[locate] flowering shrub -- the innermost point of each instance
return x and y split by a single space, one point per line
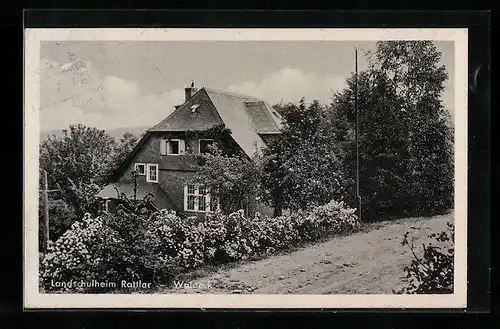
69 256
154 248
223 238
107 248
336 218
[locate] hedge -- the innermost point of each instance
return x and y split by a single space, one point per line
156 248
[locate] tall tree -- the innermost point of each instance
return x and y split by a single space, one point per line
302 167
415 71
82 154
78 163
382 148
405 139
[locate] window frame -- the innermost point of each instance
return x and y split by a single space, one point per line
140 164
197 195
148 175
106 204
203 139
194 108
178 146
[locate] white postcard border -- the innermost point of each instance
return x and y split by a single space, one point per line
34 299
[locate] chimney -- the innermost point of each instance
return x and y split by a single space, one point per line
190 91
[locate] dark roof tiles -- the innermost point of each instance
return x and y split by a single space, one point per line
245 116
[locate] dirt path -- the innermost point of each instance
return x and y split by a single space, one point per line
365 263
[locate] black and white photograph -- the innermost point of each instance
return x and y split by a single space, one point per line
245 168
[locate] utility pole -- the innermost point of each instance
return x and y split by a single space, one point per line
46 210
357 129
46 224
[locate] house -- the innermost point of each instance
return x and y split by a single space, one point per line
161 158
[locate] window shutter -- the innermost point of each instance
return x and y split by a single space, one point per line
163 147
182 147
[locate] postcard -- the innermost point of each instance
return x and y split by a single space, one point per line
245 168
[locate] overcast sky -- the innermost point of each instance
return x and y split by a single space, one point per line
130 84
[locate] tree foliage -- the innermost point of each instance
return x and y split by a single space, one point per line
405 141
122 149
233 179
414 70
78 164
302 168
382 154
82 154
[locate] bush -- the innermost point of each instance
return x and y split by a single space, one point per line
109 248
62 216
433 273
70 256
154 248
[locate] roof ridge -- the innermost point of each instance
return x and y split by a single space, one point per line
179 108
230 93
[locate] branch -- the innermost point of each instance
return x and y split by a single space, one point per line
415 256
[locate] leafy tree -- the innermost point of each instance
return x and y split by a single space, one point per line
302 168
233 179
78 163
405 141
82 197
81 155
415 72
122 149
382 148
280 108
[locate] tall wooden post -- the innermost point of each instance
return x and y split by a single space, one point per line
357 131
46 231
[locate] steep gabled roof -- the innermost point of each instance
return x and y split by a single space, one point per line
182 118
246 117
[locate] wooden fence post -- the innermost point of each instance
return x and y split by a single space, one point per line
46 211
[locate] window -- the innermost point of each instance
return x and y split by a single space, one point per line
204 143
202 198
194 108
172 147
197 199
140 168
152 173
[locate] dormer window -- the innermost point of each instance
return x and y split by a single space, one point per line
172 147
194 108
